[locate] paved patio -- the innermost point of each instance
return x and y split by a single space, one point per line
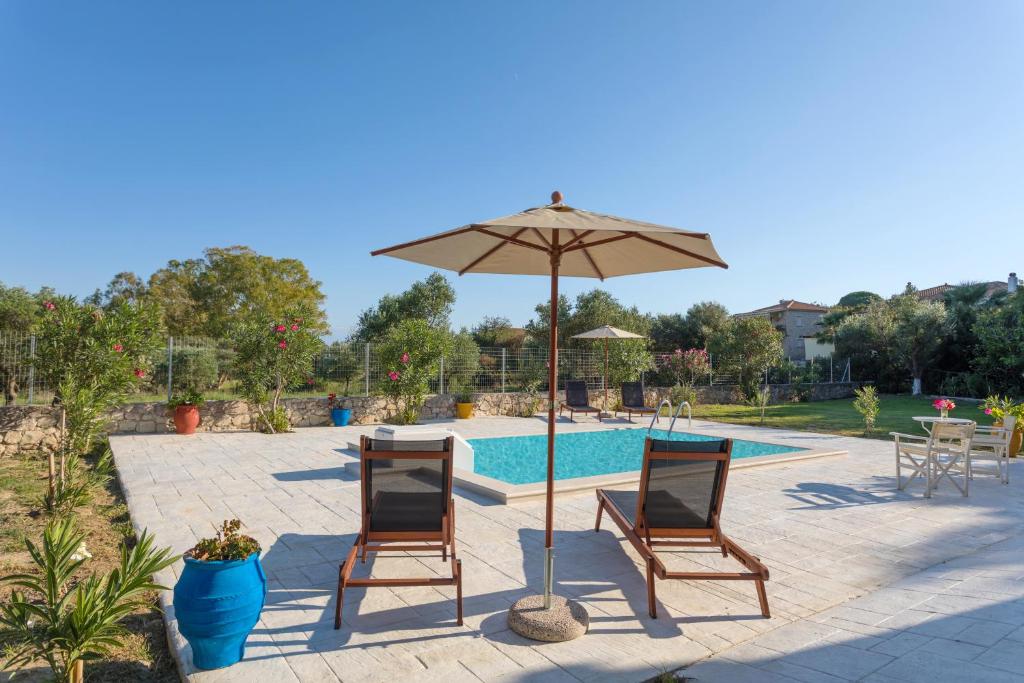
867 583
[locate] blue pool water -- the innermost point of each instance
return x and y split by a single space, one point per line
523 459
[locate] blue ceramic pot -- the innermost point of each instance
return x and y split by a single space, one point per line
217 604
341 416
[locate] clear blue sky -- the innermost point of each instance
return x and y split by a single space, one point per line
827 147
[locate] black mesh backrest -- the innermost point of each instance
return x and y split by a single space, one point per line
683 493
576 393
632 394
406 494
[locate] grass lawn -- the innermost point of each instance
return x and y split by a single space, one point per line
838 416
144 655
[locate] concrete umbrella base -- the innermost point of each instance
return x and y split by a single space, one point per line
565 620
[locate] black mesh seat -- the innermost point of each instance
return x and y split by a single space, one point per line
633 396
393 511
577 399
633 400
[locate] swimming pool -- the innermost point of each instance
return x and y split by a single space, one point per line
523 459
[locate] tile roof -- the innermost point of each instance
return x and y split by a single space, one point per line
788 305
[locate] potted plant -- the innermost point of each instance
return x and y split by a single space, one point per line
218 599
1002 409
463 405
943 405
339 416
186 411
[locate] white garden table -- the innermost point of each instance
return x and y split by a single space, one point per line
928 420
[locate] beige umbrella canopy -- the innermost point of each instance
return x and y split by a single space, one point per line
606 332
558 240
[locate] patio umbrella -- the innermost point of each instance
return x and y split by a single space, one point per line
554 240
607 332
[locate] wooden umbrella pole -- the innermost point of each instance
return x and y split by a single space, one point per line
606 374
549 513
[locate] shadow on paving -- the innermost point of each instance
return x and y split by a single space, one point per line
959 621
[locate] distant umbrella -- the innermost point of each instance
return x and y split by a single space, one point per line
607 332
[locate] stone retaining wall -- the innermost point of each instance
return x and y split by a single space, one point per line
33 428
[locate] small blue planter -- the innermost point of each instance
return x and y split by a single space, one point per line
217 604
341 416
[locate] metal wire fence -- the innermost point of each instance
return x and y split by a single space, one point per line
357 369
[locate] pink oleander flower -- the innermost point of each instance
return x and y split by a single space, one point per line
282 344
393 376
295 327
988 411
405 358
140 373
118 348
49 305
280 328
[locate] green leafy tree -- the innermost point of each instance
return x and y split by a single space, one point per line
750 346
272 353
670 331
20 309
462 363
205 296
125 287
920 330
1000 347
410 355
627 360
858 300
868 340
66 620
497 331
430 299
538 330
707 324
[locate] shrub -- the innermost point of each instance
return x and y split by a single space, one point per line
271 354
683 392
410 356
188 398
866 403
687 367
66 621
95 358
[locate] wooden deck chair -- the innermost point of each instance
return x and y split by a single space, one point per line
406 505
577 400
944 453
679 504
633 401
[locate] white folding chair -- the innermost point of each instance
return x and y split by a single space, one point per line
992 444
944 453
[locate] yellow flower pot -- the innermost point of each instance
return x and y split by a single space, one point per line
463 411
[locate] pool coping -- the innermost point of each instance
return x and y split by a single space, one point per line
503 492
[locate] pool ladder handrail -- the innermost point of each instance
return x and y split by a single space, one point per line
657 413
689 416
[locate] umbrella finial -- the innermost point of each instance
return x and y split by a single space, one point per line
556 197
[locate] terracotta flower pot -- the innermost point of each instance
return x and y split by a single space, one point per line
186 419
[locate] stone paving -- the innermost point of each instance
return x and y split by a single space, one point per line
867 583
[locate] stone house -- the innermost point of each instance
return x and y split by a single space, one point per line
799 322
